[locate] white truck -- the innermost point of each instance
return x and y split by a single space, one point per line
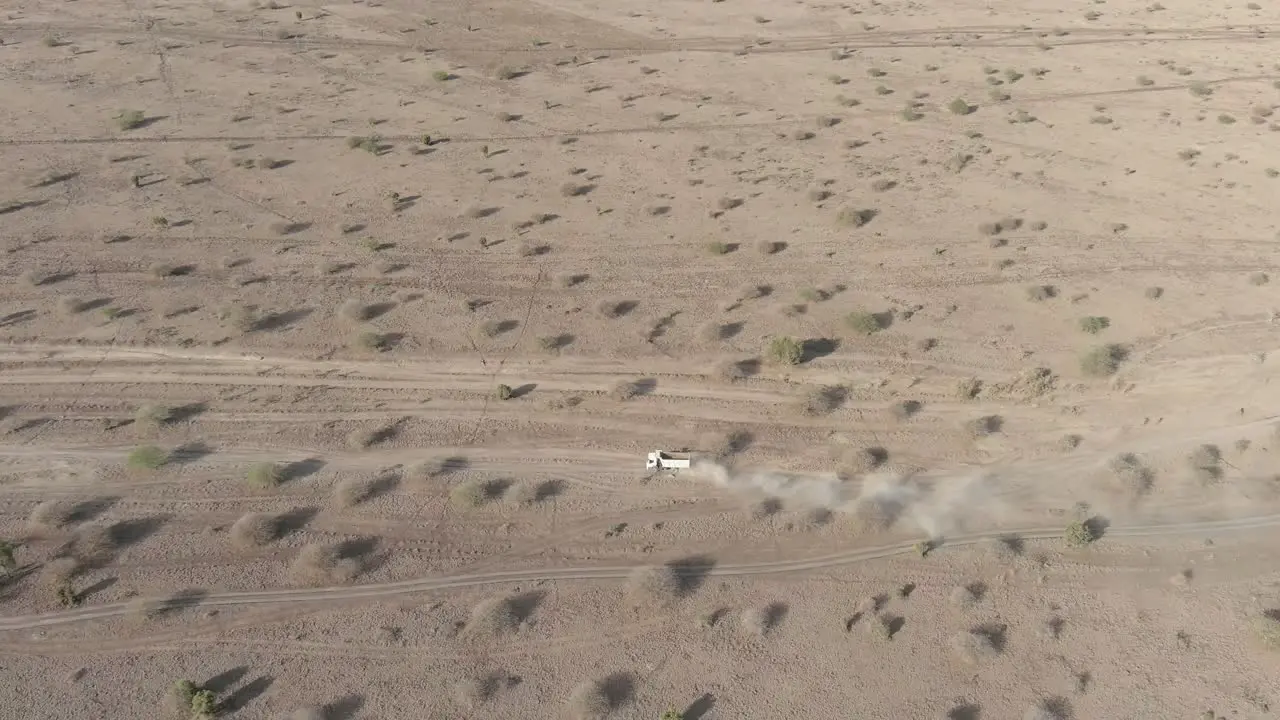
673 461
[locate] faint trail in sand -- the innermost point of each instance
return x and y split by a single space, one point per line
404 587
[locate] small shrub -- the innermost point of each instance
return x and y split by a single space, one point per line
130 119
1259 278
853 217
717 248
786 351
441 76
506 73
147 457
1200 89
1102 361
203 705
1094 324
1131 475
265 475
590 700
1079 533
1153 293
372 341
1267 628
863 322
151 416
968 388
470 494
883 184
353 310
975 646
822 400
253 529
910 113
504 392
1041 292
960 107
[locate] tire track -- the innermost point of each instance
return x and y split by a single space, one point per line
420 585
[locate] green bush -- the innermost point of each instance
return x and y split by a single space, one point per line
147 457
1102 361
1094 324
786 351
504 392
1079 533
863 322
265 475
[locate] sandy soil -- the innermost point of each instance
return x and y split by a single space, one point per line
334 337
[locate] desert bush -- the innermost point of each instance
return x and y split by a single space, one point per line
983 426
856 461
1102 361
968 388
1267 628
372 341
1131 475
717 247
504 392
756 621
203 705
1205 463
963 597
863 322
178 699
654 586
1041 292
854 217
370 143
320 564
48 515
265 475
130 119
1259 278
491 618
1079 533
1094 324
353 310
147 457
960 107
786 351
1044 710
471 493
590 700
974 646
364 438
613 309
240 317
671 714
822 400
151 416
624 390
60 571
253 529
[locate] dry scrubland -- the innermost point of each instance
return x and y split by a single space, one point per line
333 338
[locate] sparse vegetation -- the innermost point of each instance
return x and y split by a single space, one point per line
1079 533
264 475
786 351
503 392
1103 360
1267 629
960 106
253 529
863 322
471 494
1094 324
853 217
590 700
320 564
147 457
975 646
130 119
151 416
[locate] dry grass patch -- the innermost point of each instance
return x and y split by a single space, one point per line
492 618
320 564
1131 475
854 217
253 529
654 586
822 400
147 457
863 322
592 700
977 645
48 516
1267 629
785 351
265 475
475 492
1103 360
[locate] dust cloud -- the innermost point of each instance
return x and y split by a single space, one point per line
933 505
